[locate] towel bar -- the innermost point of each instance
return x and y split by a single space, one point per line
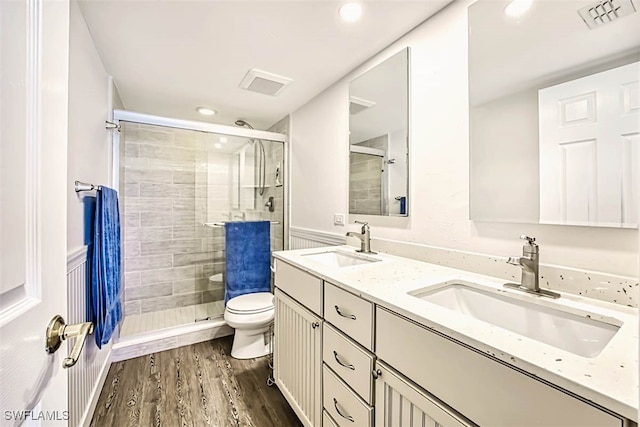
84 186
222 223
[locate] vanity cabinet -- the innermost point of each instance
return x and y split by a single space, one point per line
341 360
298 357
400 403
480 388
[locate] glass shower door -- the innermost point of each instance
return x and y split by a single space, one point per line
178 188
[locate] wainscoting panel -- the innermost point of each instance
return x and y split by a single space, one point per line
87 377
302 238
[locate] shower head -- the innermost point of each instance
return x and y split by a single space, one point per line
243 123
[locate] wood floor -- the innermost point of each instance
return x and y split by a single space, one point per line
197 385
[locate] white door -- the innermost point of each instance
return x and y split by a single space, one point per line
34 41
590 149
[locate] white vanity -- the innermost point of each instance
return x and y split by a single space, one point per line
379 340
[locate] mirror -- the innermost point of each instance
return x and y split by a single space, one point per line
378 139
554 114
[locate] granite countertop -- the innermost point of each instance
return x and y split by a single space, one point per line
610 379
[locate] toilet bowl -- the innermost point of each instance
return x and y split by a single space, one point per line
251 315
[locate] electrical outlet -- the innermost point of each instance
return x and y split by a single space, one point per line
338 219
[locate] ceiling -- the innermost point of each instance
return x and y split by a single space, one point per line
169 57
551 40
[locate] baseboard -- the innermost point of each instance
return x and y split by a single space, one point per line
85 421
167 339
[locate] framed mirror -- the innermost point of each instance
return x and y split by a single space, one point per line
555 113
378 139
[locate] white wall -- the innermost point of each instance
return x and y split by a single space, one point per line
439 168
89 149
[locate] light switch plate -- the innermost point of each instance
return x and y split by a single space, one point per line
338 219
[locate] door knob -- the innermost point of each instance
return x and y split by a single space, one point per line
58 331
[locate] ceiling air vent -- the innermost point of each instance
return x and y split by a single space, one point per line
357 105
604 11
264 82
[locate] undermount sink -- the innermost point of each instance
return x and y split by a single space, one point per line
340 259
577 333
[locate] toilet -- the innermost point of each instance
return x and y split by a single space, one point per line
251 315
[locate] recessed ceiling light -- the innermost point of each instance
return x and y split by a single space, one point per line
217 145
517 8
205 111
223 139
351 12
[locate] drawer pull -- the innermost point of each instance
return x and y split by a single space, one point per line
315 325
376 373
341 363
348 316
346 417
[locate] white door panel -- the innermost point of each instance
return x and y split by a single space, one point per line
588 149
33 152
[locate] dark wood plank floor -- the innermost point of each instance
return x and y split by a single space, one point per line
198 385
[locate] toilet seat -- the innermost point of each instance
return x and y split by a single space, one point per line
255 303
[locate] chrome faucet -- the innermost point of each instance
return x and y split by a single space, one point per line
529 262
364 236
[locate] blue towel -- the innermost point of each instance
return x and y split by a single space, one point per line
248 253
105 266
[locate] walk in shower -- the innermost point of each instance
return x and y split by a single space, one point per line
179 184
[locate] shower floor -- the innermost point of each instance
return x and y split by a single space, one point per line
149 322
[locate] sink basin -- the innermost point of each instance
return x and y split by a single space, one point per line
577 333
340 259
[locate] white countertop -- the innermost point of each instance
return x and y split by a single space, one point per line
609 379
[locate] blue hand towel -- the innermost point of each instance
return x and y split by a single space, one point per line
105 266
248 258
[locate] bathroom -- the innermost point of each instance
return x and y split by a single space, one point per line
89 45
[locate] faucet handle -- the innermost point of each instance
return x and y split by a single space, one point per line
365 225
529 248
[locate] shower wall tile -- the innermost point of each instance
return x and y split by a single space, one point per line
168 274
171 247
132 279
148 262
184 232
180 156
148 291
153 234
170 191
131 220
131 150
135 175
184 177
193 258
131 308
210 296
164 303
132 249
132 190
155 219
145 204
191 285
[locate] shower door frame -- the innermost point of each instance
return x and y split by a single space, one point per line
147 119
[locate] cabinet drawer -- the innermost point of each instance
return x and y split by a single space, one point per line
494 395
344 406
301 286
327 421
349 313
352 364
